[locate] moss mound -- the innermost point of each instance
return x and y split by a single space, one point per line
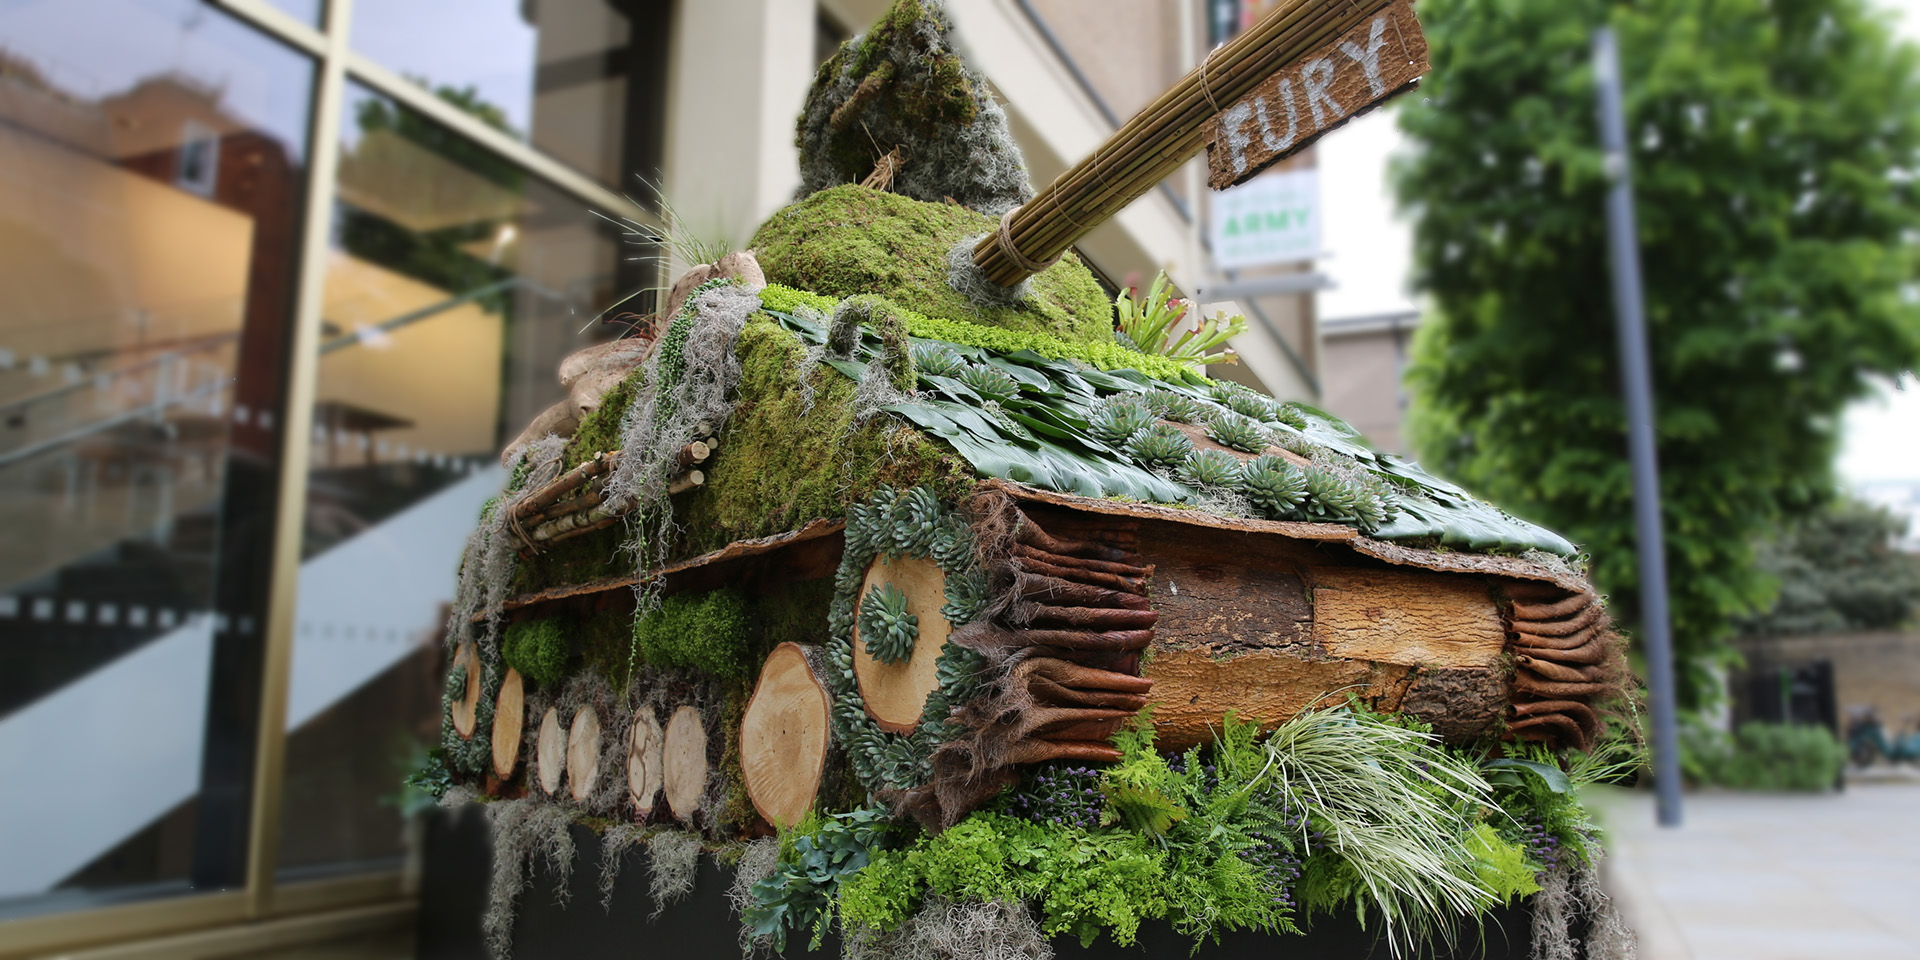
850 240
785 461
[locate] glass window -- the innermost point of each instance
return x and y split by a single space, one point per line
456 286
306 11
583 81
151 156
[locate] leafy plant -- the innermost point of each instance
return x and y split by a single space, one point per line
1158 325
886 627
1237 431
1394 809
1775 278
1763 756
1215 469
814 861
1839 570
1161 445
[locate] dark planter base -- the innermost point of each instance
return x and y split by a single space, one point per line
702 927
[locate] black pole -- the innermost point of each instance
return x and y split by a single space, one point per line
1636 382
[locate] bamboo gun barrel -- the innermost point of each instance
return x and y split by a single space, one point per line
1159 138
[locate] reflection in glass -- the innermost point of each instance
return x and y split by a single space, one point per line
584 81
456 286
150 165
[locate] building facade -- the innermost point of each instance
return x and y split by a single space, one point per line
282 278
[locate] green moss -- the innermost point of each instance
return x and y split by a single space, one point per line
1103 355
796 613
709 632
594 556
599 431
607 645
538 649
783 462
850 240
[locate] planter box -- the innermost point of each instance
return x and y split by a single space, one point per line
702 927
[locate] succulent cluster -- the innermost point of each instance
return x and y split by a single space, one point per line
1178 407
1118 418
1161 445
989 383
1212 469
1276 487
1238 431
887 629
935 360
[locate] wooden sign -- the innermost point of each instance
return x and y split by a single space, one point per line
1382 57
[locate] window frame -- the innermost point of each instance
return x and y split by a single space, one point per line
264 896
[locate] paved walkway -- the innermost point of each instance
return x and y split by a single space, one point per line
1771 876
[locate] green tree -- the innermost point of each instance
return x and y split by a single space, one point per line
1774 144
1839 571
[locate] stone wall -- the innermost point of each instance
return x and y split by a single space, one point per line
1880 669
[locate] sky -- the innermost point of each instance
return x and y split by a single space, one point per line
1367 253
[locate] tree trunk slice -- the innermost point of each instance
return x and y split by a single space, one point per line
551 752
643 761
683 763
1408 617
896 693
465 711
509 718
583 754
783 737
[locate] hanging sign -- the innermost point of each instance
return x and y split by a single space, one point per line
1344 78
1270 219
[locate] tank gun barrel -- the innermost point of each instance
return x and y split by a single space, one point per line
1161 137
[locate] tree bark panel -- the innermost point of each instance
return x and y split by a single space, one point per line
550 752
1192 690
583 754
465 711
509 720
683 765
783 737
1406 617
896 693
644 759
1228 603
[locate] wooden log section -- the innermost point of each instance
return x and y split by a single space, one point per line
550 752
583 754
1161 137
1408 617
896 693
644 774
783 737
509 720
683 763
465 711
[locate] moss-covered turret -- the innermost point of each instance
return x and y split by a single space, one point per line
851 240
901 94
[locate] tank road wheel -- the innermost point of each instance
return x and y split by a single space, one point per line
783 737
465 711
643 761
509 718
896 692
583 754
550 752
683 764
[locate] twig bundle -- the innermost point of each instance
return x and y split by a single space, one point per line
575 504
1159 138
